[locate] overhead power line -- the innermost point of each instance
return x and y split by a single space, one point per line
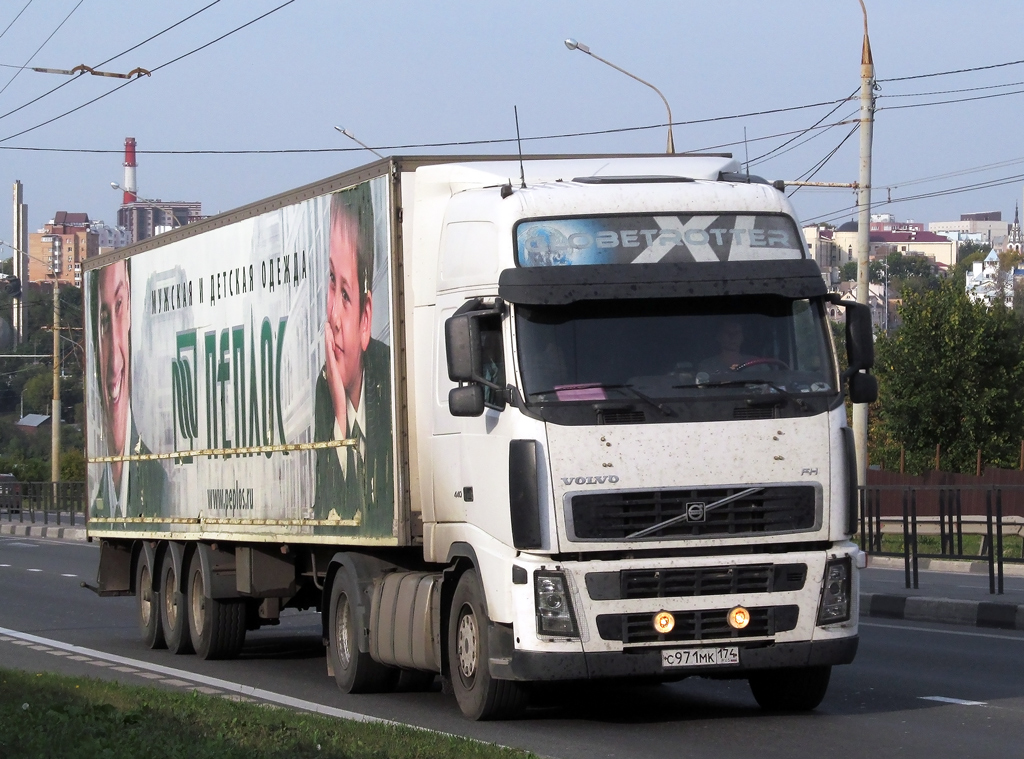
954 71
154 70
16 73
7 28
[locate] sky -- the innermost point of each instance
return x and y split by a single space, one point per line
400 73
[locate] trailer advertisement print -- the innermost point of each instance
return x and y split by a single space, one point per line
263 393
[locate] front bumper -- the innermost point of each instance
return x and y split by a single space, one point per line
548 666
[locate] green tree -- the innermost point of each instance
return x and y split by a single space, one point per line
950 376
72 465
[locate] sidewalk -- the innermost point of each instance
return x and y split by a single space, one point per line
949 592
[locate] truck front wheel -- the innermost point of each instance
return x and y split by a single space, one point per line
790 690
479 695
149 605
217 627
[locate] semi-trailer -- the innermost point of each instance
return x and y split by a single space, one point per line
586 424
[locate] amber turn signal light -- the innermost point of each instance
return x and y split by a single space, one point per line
664 622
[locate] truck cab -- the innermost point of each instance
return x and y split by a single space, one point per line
638 432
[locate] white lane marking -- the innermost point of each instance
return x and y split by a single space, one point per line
173 681
125 669
23 643
5 565
40 648
947 700
66 575
78 658
216 682
943 632
33 570
149 675
57 653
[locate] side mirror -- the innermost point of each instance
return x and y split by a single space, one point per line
863 388
467 400
461 341
860 339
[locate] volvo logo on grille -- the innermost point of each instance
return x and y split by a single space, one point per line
696 511
600 480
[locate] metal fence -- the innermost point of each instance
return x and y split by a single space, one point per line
992 512
58 503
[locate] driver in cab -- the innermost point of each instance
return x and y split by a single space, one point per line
730 356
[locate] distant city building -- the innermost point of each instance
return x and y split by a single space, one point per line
143 219
940 249
110 238
985 227
59 248
886 222
1013 238
985 283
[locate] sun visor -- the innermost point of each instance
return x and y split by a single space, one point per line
555 285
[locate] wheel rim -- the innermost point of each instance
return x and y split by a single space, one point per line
342 627
198 602
145 597
467 642
170 600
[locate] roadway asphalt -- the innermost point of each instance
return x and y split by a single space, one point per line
882 705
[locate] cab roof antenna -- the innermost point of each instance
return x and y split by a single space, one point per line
519 142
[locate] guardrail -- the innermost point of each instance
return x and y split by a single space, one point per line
992 512
59 503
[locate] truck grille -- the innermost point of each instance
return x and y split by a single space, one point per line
710 624
695 581
617 515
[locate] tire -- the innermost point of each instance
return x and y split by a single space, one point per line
173 610
355 671
480 696
148 605
790 690
217 627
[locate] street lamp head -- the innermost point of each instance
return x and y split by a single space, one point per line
115 186
343 130
574 45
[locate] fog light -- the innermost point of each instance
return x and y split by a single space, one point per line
739 618
835 592
664 622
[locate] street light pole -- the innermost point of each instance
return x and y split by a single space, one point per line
574 45
867 115
55 420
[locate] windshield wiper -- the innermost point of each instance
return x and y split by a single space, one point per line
786 395
666 410
685 517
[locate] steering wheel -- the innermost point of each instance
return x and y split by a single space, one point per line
763 361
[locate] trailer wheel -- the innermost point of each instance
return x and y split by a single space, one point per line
148 598
355 671
790 690
173 612
217 627
479 695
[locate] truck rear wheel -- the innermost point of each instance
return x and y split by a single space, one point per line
149 605
480 696
217 627
355 671
173 612
790 690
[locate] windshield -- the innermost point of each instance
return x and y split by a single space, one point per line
677 349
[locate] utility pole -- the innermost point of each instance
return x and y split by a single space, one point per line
20 261
55 420
867 117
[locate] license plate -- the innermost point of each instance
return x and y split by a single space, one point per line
700 657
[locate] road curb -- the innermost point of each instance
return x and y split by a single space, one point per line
945 565
952 611
43 531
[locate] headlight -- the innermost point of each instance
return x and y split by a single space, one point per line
835 593
554 608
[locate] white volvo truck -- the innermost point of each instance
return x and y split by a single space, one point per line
585 423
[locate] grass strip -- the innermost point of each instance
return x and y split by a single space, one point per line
51 715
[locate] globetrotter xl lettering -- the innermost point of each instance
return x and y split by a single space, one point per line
243 406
